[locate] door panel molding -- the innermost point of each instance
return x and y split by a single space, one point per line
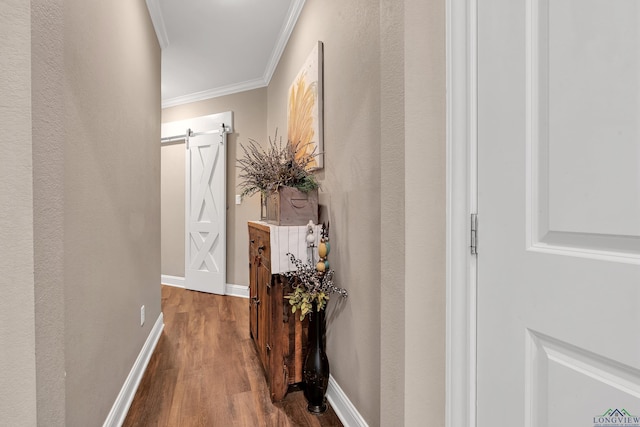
549 360
566 223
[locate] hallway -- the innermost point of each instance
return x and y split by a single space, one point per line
205 371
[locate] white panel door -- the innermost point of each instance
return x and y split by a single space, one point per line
558 338
205 249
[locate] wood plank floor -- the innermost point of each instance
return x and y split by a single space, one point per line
205 371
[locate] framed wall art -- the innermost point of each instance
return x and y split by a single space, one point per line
304 111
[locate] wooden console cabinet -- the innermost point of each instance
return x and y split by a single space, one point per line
280 337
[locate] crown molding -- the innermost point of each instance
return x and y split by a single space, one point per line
155 12
214 93
283 38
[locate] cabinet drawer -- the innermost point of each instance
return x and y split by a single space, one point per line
259 245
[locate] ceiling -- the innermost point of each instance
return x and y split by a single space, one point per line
217 47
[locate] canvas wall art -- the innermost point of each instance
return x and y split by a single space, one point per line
304 110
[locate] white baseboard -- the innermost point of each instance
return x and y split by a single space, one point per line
176 281
343 407
241 291
125 397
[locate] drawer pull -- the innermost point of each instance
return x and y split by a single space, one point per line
260 249
268 347
255 300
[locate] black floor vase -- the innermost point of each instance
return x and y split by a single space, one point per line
316 364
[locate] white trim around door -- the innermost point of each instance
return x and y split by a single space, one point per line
461 203
205 198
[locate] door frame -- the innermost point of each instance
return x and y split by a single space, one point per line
176 131
461 268
462 191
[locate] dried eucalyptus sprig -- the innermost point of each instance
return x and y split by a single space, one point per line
310 286
278 165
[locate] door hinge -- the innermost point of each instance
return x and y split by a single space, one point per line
474 234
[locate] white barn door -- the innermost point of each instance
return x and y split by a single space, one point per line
205 246
558 342
205 200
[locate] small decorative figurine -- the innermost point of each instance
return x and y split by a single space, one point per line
323 250
311 240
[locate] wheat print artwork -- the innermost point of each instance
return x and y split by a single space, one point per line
305 110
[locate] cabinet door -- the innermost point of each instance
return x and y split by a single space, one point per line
253 295
264 315
253 283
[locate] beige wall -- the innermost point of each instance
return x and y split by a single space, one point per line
172 195
351 179
81 213
384 189
425 211
392 252
17 317
111 198
47 95
250 118
80 205
384 186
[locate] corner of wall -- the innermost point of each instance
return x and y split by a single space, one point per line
18 390
48 195
392 256
425 210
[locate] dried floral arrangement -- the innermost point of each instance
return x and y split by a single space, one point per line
279 165
311 286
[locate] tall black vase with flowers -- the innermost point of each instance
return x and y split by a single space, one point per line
316 364
313 283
